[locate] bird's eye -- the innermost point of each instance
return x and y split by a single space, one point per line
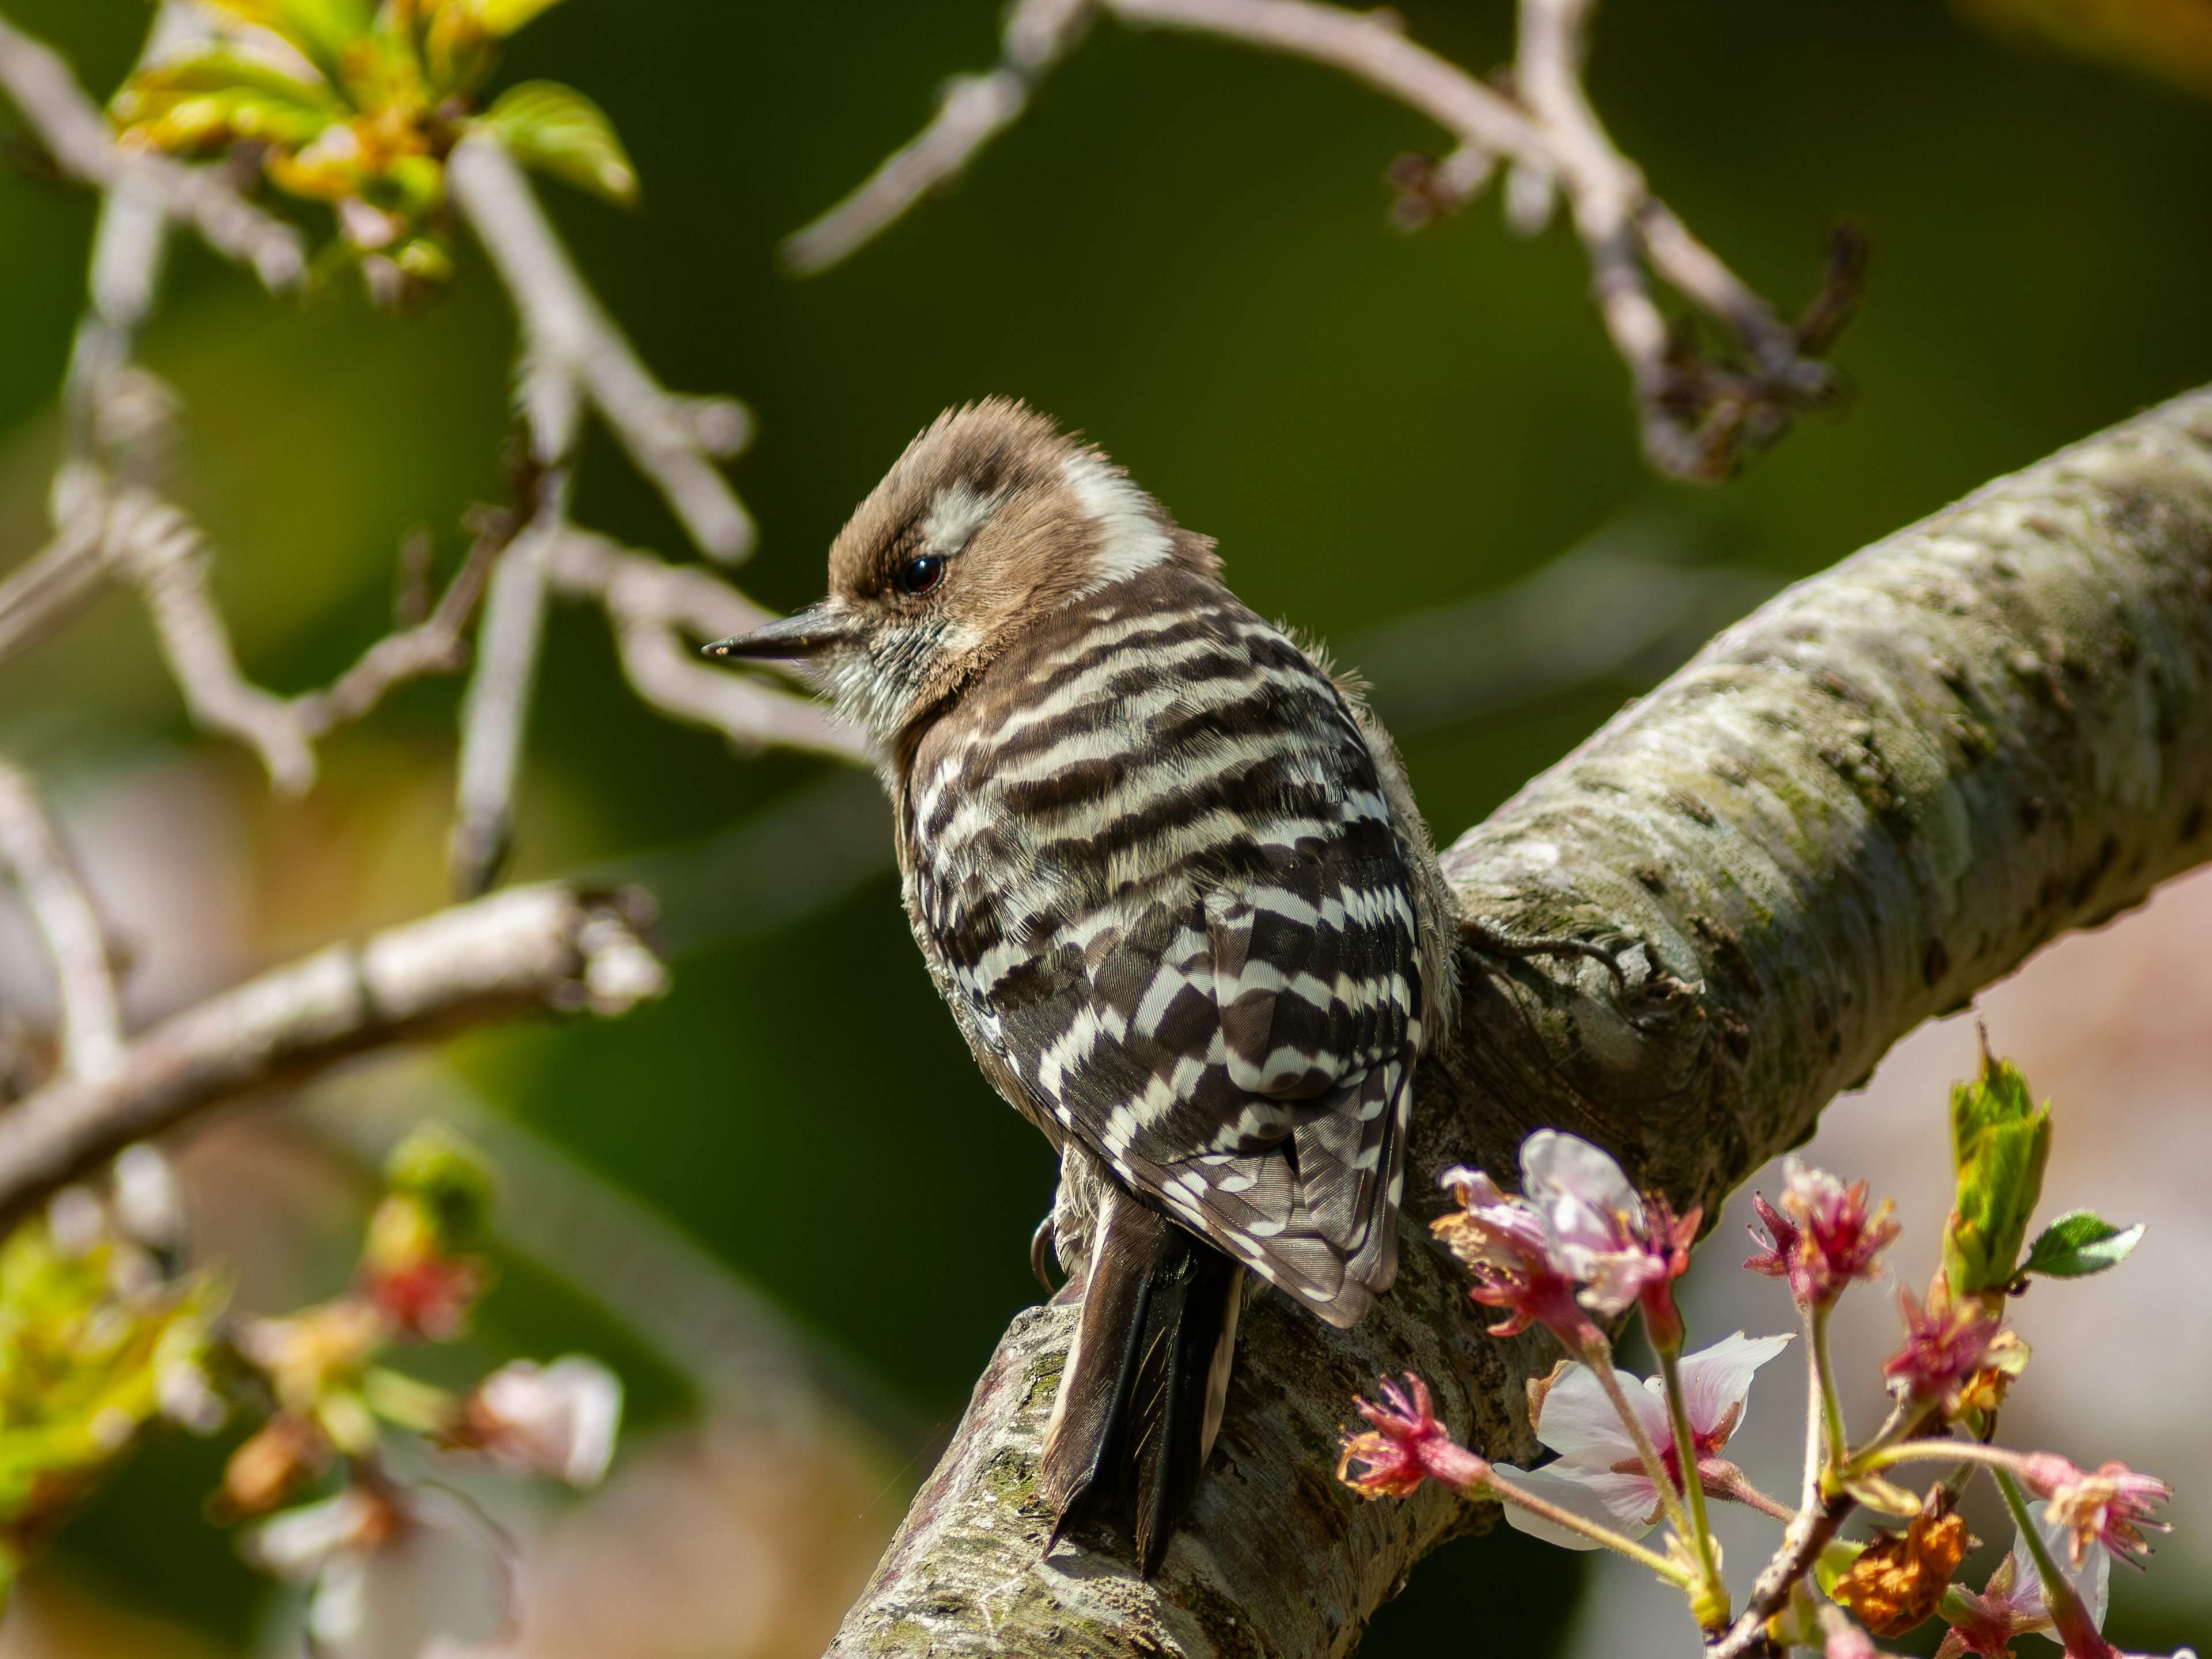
917 576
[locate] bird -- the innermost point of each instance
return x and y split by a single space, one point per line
1167 872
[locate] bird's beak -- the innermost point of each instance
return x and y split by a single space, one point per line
807 633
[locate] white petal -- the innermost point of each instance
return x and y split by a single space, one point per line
2092 1580
1717 1380
1624 1502
1552 1163
1578 1421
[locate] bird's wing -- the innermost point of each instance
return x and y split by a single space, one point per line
1243 1053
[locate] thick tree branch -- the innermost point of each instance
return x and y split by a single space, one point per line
1698 415
529 950
1881 791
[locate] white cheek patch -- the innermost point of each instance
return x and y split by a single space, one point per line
1130 537
959 511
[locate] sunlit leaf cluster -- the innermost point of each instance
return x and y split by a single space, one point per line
360 106
95 1341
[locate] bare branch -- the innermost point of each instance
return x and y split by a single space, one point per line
71 126
495 716
50 587
164 554
32 849
653 605
976 108
532 949
1697 416
1828 827
570 343
433 645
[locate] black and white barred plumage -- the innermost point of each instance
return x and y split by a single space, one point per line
1169 878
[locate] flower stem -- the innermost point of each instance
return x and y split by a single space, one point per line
1831 1405
1735 1489
1590 1529
1937 1451
1597 1354
2076 1628
1685 1454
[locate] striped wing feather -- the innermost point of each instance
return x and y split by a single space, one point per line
1229 1015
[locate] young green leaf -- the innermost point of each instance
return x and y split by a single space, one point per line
2001 1141
323 29
2079 1244
558 129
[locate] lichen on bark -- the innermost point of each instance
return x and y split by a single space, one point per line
1851 810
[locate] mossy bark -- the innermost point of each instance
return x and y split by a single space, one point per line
1879 793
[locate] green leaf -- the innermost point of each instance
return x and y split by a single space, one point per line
558 129
2079 1244
2000 1142
505 16
217 97
321 28
1836 1559
449 1177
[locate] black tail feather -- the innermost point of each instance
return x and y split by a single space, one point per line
1141 1400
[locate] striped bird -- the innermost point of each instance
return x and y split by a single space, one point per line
1167 875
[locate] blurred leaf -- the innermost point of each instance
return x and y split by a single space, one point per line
505 16
324 30
2079 1244
449 1178
212 98
558 129
2169 39
2000 1141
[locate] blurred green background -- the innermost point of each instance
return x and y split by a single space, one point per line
1183 249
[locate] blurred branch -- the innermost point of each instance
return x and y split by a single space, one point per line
165 555
77 135
570 345
33 853
533 949
651 604
1698 415
433 645
1878 793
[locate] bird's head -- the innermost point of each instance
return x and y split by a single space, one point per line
992 519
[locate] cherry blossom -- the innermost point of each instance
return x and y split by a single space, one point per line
556 1420
1828 1237
2012 1603
1579 1241
2109 1506
1406 1446
1946 1343
1598 1474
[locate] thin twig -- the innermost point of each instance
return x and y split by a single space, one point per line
569 342
530 949
495 713
975 109
48 589
32 850
1696 416
437 645
652 605
164 554
70 126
